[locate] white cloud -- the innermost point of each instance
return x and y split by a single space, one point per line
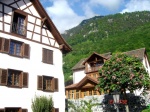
63 16
110 4
137 5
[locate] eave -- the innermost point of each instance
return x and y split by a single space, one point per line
64 46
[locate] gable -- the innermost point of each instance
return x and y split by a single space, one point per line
87 81
88 84
94 58
38 25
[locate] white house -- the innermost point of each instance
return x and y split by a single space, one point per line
31 50
79 69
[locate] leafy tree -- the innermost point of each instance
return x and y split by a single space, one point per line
42 104
123 72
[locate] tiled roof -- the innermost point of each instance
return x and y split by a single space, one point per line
71 86
82 82
137 53
79 65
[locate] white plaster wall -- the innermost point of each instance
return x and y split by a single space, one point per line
78 75
14 97
145 62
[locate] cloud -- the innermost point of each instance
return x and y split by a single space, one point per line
137 5
110 4
63 16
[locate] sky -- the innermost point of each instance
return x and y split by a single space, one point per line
67 14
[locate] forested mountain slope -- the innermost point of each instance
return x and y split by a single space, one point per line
102 34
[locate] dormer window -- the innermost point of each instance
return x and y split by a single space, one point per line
19 23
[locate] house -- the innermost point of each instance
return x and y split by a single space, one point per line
85 73
31 50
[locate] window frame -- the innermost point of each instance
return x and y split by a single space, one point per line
21 13
41 85
4 78
5 47
47 56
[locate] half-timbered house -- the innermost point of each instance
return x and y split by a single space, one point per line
31 50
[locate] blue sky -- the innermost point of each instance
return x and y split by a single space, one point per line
67 14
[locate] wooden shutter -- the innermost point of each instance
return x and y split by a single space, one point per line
6 45
26 50
21 79
24 110
56 84
56 109
53 84
44 57
25 79
1 43
50 56
3 76
1 110
40 83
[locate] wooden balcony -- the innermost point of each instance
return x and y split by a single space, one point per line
18 29
92 69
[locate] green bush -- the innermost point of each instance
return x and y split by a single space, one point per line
42 104
146 110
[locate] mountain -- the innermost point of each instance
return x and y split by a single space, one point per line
102 34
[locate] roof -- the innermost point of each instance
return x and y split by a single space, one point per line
93 55
82 82
79 65
137 53
51 26
107 55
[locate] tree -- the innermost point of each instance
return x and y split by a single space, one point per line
121 73
42 104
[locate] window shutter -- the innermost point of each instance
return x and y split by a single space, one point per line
1 110
50 56
53 84
24 110
21 79
40 83
26 50
3 76
25 79
1 43
56 84
44 55
6 45
56 109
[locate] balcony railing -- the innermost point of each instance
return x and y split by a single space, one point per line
18 29
92 69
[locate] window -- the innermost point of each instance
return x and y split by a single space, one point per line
47 83
15 48
13 109
85 93
56 109
72 94
47 56
77 94
90 92
94 75
95 92
13 78
19 23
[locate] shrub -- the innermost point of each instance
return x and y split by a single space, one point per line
42 104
